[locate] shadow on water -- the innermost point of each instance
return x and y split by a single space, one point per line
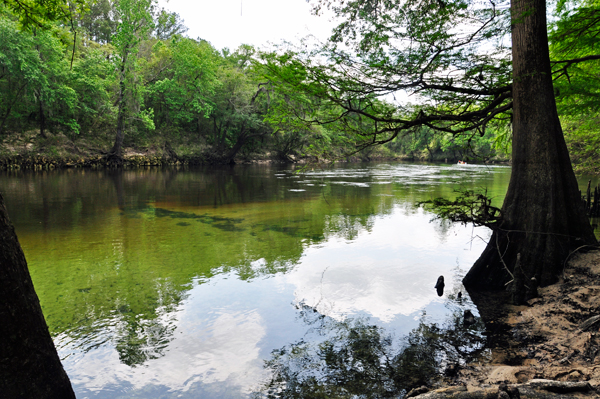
222 223
355 358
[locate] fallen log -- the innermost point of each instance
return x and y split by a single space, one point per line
534 389
560 386
589 323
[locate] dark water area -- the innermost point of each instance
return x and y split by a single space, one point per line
252 281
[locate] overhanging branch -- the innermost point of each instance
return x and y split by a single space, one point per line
565 64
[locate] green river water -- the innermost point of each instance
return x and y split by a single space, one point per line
245 281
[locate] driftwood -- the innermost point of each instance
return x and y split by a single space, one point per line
589 323
560 386
459 392
534 389
417 391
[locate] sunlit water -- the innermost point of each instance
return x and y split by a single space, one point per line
204 283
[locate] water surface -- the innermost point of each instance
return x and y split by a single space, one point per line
221 282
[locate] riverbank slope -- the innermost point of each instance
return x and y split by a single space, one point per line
553 337
30 150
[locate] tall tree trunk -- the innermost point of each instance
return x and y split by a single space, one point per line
222 139
42 116
29 364
543 215
241 140
116 153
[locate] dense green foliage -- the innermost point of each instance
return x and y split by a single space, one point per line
89 70
575 47
382 50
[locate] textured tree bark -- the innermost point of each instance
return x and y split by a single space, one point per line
543 215
29 364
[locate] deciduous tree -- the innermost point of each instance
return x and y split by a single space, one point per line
182 81
34 78
241 101
543 217
135 24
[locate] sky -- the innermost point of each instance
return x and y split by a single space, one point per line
229 23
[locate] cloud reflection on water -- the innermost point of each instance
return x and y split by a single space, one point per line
210 346
386 272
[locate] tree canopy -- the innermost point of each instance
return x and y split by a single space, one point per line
574 49
459 78
428 79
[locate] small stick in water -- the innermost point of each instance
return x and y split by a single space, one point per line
439 286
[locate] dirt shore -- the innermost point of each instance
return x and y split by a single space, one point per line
548 338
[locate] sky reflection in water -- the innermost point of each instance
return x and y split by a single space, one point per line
182 284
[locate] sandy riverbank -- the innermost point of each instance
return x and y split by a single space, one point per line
545 339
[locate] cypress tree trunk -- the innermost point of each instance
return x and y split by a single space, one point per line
29 364
543 215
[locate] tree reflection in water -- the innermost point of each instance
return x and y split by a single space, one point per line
356 359
138 341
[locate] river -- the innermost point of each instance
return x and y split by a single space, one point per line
238 282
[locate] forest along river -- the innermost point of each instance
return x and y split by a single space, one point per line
236 282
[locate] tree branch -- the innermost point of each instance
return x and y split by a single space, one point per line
563 71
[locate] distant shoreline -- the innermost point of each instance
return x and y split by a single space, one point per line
31 152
